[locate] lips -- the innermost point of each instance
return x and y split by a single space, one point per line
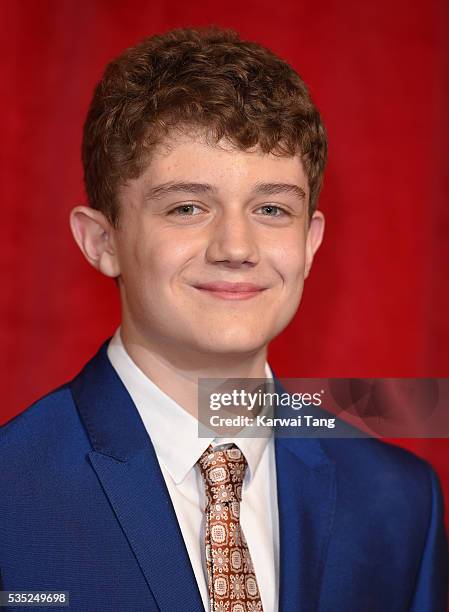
230 291
230 287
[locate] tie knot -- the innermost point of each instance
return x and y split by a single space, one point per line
223 471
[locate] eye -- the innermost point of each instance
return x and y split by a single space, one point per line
270 210
185 210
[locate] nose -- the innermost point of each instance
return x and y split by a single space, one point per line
232 241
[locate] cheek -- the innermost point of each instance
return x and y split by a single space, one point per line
159 258
138 263
289 261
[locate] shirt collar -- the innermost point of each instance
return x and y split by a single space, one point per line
173 431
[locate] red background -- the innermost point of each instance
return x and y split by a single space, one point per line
377 301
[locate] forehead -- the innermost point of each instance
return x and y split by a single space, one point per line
192 154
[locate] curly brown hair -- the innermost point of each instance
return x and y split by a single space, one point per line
207 78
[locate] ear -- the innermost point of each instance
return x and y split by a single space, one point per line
313 240
95 237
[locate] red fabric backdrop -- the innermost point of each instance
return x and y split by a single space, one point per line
377 302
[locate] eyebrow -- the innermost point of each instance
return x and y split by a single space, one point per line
160 191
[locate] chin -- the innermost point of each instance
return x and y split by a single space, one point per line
235 342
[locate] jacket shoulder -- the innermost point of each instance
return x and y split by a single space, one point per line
41 429
381 475
370 455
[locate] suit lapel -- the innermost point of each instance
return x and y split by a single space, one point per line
306 500
127 468
306 486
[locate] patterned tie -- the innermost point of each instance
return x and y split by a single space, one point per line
231 579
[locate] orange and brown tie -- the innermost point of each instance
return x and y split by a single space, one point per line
231 578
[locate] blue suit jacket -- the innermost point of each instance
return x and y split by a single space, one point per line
84 508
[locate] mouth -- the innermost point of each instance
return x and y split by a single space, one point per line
230 291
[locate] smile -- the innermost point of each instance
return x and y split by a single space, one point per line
231 291
232 295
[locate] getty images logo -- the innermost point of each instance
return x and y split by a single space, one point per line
240 398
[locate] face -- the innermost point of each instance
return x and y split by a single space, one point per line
213 246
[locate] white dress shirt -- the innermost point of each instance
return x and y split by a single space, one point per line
174 434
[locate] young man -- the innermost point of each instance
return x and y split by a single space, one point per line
203 158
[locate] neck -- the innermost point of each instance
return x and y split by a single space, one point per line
176 370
